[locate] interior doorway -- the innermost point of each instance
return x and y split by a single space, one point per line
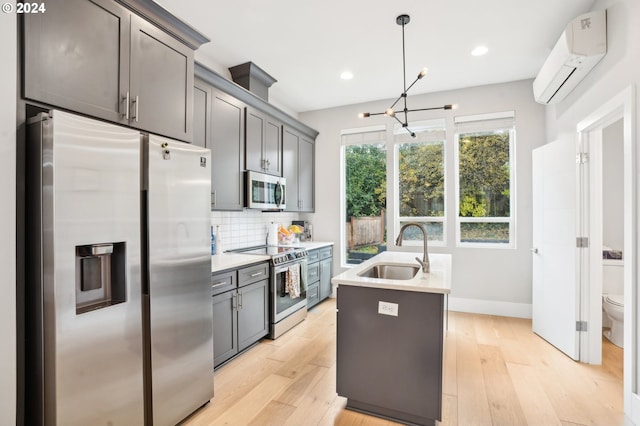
613 119
606 230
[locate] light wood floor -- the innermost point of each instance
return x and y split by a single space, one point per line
496 372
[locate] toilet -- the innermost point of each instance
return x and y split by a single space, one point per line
613 300
613 305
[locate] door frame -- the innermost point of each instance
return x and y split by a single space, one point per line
589 130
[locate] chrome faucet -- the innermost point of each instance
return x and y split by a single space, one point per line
425 255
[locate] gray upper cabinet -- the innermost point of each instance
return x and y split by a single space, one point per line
227 152
201 113
161 82
306 173
218 124
263 143
98 58
290 153
270 141
76 56
298 169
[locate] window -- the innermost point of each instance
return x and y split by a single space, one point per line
364 159
420 181
485 180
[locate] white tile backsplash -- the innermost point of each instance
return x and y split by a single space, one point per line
246 228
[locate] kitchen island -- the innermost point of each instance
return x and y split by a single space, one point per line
390 336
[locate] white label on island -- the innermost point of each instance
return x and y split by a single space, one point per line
388 308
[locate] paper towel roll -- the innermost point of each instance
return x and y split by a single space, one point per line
272 236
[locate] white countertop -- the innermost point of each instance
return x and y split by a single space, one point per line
436 281
224 261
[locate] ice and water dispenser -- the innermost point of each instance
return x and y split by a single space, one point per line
100 276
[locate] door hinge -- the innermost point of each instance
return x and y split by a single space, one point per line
582 157
582 242
581 326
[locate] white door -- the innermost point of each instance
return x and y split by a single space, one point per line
556 293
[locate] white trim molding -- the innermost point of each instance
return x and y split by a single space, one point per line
490 307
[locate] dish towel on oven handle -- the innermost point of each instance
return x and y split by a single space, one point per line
292 281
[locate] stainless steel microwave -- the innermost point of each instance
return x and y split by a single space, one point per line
266 192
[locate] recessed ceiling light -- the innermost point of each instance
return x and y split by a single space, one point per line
479 51
346 75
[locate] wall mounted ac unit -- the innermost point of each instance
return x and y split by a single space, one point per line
580 47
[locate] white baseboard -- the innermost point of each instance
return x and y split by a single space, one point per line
490 307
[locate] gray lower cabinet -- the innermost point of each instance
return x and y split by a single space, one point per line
219 125
325 278
253 311
263 142
240 310
298 169
100 59
390 365
319 272
313 284
225 327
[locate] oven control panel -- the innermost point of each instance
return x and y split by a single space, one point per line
289 257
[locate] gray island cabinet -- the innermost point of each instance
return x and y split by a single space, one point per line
390 337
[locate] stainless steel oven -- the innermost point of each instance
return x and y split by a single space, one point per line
287 309
287 299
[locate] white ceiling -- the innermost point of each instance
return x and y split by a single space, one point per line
306 44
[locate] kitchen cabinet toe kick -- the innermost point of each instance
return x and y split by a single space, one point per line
389 414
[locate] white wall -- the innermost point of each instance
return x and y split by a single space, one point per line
8 55
494 281
613 186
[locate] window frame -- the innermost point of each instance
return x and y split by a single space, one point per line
438 123
343 189
484 121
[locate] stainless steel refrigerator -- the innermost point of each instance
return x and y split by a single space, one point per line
118 307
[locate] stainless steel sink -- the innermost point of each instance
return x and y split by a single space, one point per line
390 272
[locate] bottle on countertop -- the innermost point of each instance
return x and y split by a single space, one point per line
213 239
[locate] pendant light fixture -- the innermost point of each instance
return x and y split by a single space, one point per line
391 112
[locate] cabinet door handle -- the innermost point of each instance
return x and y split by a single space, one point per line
218 284
239 301
215 198
234 305
125 98
137 102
